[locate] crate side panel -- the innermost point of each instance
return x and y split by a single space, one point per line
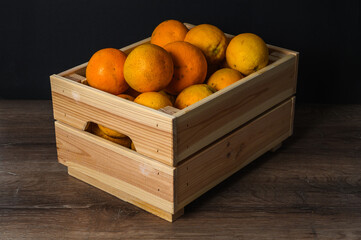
226 111
223 158
150 130
139 178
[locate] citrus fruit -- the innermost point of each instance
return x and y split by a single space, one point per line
223 78
125 141
247 53
105 71
190 66
192 94
153 100
110 132
167 32
210 39
148 68
132 146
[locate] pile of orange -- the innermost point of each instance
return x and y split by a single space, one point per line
178 67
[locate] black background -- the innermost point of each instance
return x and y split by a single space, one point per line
39 38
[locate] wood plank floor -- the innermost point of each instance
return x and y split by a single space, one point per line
308 189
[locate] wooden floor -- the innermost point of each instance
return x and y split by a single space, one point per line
309 189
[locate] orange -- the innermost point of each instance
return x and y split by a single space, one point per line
110 132
223 78
192 94
153 100
167 32
126 141
105 71
148 68
210 39
247 53
190 66
132 146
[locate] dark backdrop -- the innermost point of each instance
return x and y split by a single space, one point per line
39 38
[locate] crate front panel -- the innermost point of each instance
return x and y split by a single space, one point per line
215 163
76 105
117 166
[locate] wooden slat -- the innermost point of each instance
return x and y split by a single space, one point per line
285 51
217 162
80 69
211 118
77 104
135 156
117 166
93 179
169 110
76 77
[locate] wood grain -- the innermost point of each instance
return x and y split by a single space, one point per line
307 189
140 176
151 131
93 178
214 164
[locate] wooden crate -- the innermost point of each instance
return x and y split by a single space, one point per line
180 153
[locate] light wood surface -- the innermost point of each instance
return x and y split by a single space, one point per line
76 77
77 104
93 179
225 157
116 166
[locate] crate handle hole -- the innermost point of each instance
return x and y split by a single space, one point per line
110 135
